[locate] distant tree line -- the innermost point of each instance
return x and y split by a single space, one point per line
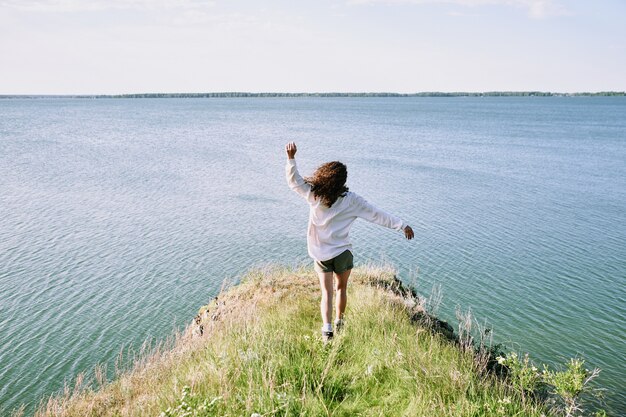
244 94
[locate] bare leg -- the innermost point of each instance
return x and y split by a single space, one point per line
341 286
326 303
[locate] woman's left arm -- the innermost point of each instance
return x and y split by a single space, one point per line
377 216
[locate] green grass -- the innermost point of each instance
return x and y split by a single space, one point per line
261 352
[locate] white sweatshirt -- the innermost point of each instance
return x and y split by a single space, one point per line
327 234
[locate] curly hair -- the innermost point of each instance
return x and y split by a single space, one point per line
328 182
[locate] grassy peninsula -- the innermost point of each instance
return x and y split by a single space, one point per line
255 350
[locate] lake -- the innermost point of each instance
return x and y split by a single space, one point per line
121 217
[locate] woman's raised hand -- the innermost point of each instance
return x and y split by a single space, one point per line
291 149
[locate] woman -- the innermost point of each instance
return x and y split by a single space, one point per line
333 209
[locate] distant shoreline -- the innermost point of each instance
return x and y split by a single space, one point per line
295 95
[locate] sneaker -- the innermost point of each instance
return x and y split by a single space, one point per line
339 325
327 336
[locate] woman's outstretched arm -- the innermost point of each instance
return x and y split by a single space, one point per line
377 216
294 179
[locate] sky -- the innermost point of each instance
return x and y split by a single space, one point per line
191 46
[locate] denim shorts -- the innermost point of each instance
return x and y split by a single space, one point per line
338 264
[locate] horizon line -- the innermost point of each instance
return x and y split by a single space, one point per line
322 94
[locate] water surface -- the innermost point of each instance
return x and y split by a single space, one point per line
121 217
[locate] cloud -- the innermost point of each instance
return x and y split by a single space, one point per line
537 9
97 5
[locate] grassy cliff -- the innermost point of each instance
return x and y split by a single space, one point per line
256 351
